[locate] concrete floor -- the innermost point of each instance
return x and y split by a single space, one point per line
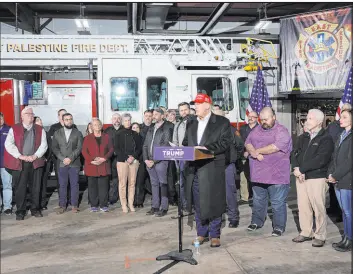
128 243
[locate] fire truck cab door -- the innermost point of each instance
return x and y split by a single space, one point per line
122 85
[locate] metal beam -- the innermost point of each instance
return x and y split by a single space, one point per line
21 25
27 22
46 23
318 6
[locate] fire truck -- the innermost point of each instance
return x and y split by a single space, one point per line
132 74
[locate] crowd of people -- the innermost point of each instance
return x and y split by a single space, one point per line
119 164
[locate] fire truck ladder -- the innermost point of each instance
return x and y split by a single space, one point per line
221 49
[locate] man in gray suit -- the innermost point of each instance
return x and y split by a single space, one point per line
66 146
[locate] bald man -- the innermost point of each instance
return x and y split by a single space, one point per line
244 165
269 147
25 146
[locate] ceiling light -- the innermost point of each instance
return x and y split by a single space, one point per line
78 23
262 24
85 23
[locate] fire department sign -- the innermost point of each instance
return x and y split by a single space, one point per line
321 46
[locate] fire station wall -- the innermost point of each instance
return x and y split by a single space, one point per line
84 75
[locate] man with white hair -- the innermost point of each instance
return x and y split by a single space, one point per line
25 146
112 131
310 162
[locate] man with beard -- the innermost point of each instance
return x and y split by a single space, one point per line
25 146
50 156
178 136
66 146
269 147
112 132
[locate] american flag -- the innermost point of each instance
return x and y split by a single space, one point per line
259 97
347 95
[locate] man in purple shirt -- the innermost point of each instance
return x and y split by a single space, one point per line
269 147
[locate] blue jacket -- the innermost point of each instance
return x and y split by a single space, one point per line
3 134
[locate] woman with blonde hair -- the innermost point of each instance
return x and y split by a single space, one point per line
97 150
128 148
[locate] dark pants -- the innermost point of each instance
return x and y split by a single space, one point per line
27 177
98 190
334 206
141 177
171 180
46 172
158 177
113 184
181 184
231 193
278 195
345 200
66 174
205 228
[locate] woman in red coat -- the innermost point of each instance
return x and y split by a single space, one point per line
97 150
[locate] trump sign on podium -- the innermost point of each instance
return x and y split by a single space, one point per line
180 154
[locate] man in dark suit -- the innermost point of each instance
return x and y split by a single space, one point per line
66 146
112 131
205 179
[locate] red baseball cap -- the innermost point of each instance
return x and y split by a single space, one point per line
201 98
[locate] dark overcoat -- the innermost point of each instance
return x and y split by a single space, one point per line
211 172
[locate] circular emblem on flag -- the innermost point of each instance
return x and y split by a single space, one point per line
321 46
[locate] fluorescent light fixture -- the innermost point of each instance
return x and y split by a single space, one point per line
78 23
262 24
85 23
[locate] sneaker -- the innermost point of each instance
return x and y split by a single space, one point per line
8 211
60 210
253 227
94 209
104 209
277 232
161 213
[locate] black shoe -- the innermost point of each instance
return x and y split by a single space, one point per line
242 202
44 208
36 214
346 246
277 232
152 211
140 206
20 217
344 238
233 224
253 227
8 212
161 213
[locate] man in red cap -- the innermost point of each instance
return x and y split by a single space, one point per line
205 179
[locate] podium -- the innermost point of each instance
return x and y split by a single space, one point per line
179 154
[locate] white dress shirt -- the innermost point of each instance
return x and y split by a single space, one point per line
201 126
12 149
67 133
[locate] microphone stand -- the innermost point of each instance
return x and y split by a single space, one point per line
179 255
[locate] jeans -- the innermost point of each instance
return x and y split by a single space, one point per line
231 194
278 195
345 200
65 174
6 179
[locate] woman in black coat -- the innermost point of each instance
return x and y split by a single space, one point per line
341 174
128 148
